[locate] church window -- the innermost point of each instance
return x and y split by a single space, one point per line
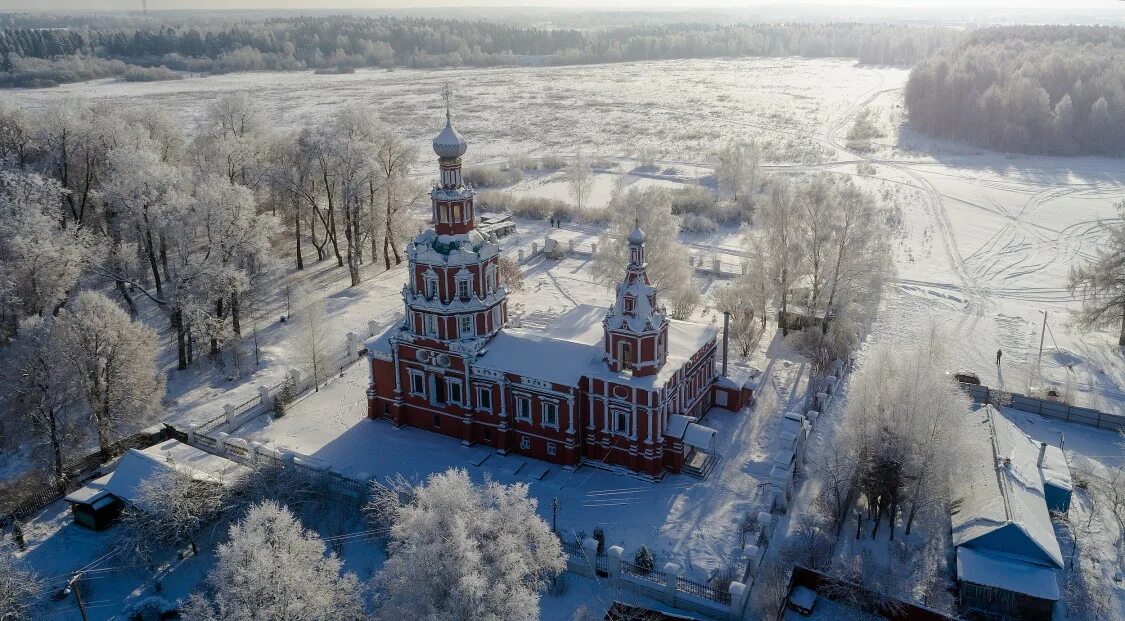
523 409
551 415
525 443
496 318
552 448
456 212
464 288
417 383
431 287
484 398
621 422
431 324
490 278
454 390
630 304
466 326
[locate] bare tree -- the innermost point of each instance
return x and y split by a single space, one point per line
312 336
737 170
170 508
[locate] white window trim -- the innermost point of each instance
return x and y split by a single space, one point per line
430 280
467 283
543 415
450 382
526 400
613 422
525 443
490 279
552 448
414 373
429 321
484 393
461 331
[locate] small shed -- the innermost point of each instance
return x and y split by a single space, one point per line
101 501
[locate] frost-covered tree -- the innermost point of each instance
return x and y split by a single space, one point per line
737 169
312 337
20 587
776 244
168 511
1101 282
579 179
113 363
392 194
73 139
41 261
38 390
463 552
668 260
232 140
272 569
16 134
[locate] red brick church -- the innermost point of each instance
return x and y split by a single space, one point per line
619 386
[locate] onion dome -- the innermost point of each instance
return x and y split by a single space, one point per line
637 237
449 144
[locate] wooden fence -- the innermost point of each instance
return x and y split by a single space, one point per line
1047 408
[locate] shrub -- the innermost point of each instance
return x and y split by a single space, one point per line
693 223
491 176
644 560
150 74
599 535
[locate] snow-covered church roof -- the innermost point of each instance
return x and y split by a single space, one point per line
1001 489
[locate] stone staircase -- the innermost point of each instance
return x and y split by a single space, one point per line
699 464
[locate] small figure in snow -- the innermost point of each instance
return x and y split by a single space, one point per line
998 354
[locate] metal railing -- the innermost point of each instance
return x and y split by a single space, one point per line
692 587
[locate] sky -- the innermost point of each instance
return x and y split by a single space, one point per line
129 5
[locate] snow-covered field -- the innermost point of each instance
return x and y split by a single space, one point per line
989 239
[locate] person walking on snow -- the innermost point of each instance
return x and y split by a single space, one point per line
998 354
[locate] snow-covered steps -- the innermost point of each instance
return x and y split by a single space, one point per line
536 470
512 465
478 455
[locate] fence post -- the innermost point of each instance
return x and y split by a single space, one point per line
614 562
671 582
191 433
738 592
831 379
372 327
350 338
593 249
255 446
590 551
228 413
264 395
295 381
534 248
717 266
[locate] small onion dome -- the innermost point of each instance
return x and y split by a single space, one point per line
449 144
637 237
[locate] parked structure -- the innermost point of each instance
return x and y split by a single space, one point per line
1007 553
813 595
625 386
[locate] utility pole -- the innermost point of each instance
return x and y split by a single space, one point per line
1042 334
726 337
555 515
73 586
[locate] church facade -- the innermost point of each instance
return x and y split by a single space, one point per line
618 386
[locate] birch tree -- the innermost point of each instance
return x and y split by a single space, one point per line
272 569
776 244
113 359
393 193
580 180
462 552
737 169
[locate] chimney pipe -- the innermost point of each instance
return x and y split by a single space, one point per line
726 335
1042 452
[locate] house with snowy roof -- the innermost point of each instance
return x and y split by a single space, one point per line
98 503
622 386
1007 554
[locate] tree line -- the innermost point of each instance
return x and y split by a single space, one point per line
347 42
1030 89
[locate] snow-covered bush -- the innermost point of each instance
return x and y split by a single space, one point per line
698 224
865 169
150 74
20 588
